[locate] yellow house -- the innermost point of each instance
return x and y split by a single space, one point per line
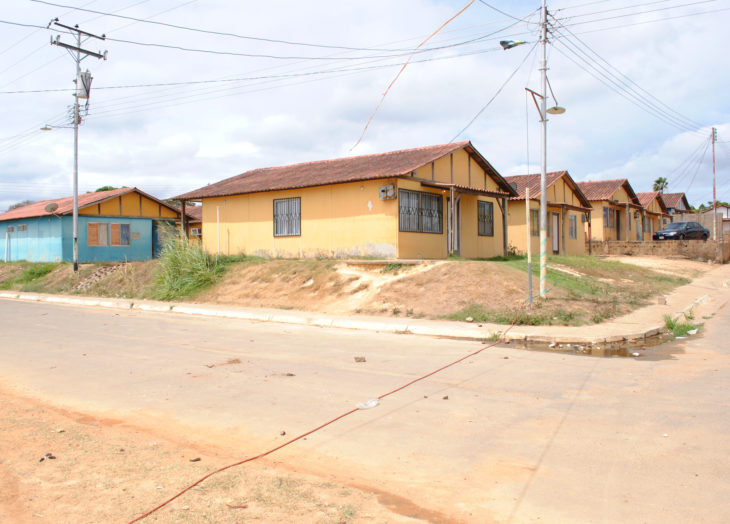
655 215
417 203
616 213
567 211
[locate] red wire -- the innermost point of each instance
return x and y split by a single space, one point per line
343 415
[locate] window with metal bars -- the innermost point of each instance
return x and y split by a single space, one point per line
288 217
485 217
534 222
420 212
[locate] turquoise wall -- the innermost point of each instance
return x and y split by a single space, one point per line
49 239
41 242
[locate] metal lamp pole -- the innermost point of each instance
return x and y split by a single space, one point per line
543 163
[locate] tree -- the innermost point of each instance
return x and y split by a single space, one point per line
20 204
105 188
660 184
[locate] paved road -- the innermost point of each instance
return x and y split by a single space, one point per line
506 436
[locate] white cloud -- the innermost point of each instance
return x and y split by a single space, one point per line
167 140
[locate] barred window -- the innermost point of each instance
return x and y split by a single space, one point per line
288 217
11 229
22 227
485 216
534 222
573 226
420 212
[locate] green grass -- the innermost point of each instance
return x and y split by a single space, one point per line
31 272
680 328
185 269
522 317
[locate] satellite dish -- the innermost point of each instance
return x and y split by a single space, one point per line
51 207
556 110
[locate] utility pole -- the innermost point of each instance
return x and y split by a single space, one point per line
83 89
543 164
714 199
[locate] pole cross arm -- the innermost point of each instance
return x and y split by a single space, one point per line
58 42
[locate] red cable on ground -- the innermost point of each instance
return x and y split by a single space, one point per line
343 415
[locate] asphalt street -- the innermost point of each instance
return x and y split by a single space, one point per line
508 435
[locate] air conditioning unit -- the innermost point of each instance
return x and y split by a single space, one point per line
387 192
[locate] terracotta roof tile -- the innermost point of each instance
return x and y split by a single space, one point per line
605 189
672 200
324 172
533 182
65 204
645 199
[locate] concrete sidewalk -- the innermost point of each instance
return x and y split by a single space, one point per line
703 296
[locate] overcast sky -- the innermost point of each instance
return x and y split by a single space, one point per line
642 81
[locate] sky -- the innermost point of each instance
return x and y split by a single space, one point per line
193 92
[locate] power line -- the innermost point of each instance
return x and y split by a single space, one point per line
217 33
509 15
620 86
632 84
467 126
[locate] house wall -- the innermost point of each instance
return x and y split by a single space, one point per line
336 221
130 204
141 241
457 168
601 231
517 230
558 192
421 245
40 242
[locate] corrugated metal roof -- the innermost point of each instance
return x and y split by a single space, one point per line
65 204
336 171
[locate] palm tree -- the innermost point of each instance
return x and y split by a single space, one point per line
660 184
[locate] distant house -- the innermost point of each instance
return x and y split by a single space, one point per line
655 214
722 211
676 203
616 213
194 223
425 202
567 212
121 224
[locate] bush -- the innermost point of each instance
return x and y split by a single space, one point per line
184 269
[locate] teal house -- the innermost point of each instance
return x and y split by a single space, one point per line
117 225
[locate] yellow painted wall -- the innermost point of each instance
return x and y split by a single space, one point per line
129 204
473 245
337 220
421 245
517 235
466 172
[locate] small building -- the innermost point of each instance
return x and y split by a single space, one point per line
421 203
676 203
194 223
567 212
616 213
655 214
116 225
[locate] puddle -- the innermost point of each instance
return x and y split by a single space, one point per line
653 347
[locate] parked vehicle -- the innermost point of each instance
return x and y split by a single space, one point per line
682 230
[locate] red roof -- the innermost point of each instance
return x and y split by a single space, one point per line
646 198
605 189
65 204
522 182
194 214
672 200
339 170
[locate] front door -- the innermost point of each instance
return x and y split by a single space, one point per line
556 232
